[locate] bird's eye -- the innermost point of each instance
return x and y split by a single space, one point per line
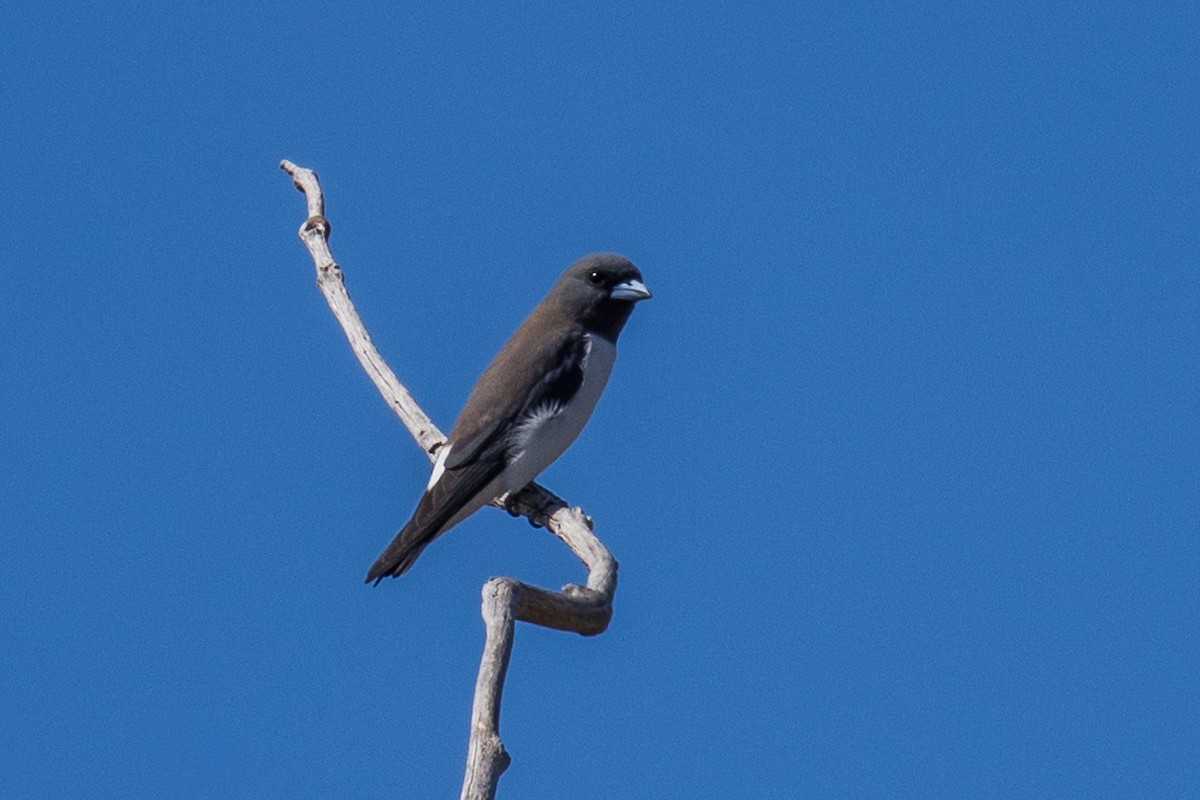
595 279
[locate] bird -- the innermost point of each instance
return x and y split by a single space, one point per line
529 404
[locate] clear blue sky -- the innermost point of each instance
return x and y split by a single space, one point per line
900 464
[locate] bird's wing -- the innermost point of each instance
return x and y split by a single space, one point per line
480 440
553 371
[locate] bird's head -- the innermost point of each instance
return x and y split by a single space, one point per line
600 291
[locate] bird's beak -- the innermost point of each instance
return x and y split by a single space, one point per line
630 290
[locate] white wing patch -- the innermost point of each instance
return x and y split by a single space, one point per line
529 425
439 466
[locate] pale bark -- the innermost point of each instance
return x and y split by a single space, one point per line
582 609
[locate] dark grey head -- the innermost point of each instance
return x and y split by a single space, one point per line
600 290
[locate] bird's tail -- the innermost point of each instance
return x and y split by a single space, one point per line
447 501
398 557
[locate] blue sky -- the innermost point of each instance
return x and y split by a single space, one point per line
900 463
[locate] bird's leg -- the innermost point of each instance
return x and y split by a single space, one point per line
518 508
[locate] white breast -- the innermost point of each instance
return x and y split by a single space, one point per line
544 435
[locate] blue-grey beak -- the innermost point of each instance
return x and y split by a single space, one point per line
630 290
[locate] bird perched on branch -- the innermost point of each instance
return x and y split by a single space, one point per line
529 404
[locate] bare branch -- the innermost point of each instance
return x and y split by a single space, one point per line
583 609
315 235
